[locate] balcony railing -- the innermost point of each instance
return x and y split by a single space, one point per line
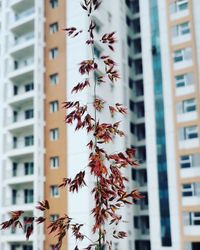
20 40
20 144
21 64
23 14
19 200
20 172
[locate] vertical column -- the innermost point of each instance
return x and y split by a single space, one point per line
55 128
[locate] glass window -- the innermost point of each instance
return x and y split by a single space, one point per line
182 54
184 80
53 27
187 190
53 79
54 106
178 5
53 53
28 196
189 105
54 217
28 168
29 87
53 3
54 191
54 162
181 29
178 56
54 134
185 161
191 132
97 51
29 140
29 114
14 169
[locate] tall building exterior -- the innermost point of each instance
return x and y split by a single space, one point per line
164 76
38 70
158 53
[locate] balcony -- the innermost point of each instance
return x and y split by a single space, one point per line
21 98
189 143
185 90
22 42
20 19
192 230
191 201
191 172
187 116
179 14
21 68
21 144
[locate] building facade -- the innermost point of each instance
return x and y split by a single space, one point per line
38 70
165 36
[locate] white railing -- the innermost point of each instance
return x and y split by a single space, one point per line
23 39
22 64
24 14
19 144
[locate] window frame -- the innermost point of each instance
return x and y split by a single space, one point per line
53 106
53 78
53 4
53 28
54 134
53 53
54 190
54 162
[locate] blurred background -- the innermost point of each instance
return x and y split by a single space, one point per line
158 56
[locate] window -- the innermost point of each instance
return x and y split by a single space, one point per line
181 29
186 161
53 53
187 190
184 80
131 105
28 140
14 196
14 169
15 115
188 133
97 51
28 196
54 162
53 79
29 114
15 90
54 134
54 191
178 56
14 142
29 87
178 5
97 26
53 3
189 105
186 106
28 168
54 217
182 55
53 27
132 128
53 106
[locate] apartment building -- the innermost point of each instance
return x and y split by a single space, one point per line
33 142
163 41
38 67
